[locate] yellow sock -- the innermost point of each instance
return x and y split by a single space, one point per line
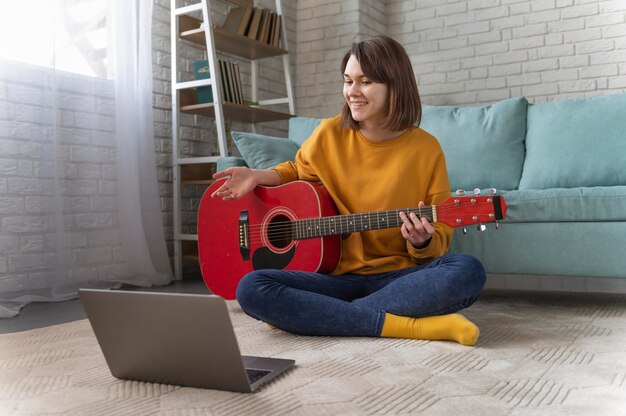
453 327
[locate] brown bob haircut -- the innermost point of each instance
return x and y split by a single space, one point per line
385 61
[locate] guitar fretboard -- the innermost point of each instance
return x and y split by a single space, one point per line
351 223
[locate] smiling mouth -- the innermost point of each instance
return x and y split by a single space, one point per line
357 105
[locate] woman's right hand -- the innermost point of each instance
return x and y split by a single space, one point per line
242 180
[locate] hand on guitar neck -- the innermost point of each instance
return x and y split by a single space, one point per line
242 180
416 230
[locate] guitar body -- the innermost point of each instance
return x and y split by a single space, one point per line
296 227
238 236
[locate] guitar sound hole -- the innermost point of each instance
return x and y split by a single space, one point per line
279 231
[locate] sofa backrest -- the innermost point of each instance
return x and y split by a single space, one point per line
513 145
300 128
576 143
484 146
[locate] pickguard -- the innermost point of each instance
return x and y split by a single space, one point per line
264 258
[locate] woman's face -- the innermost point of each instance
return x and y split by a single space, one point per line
368 100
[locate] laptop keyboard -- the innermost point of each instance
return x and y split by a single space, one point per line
254 375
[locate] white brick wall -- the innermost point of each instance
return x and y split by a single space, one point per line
80 161
468 52
326 30
543 50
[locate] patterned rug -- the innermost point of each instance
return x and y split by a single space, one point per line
538 354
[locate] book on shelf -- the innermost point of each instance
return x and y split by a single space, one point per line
275 41
201 71
230 76
260 24
224 79
263 25
238 85
231 82
232 89
237 20
255 20
272 28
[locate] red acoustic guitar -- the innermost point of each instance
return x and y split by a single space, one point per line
296 227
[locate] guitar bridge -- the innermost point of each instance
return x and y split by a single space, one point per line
244 237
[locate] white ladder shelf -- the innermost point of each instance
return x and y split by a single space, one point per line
204 32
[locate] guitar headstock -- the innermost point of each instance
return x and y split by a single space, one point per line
461 210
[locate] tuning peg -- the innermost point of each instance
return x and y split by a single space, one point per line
464 230
481 227
493 191
460 192
476 191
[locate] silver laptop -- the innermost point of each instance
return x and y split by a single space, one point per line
173 338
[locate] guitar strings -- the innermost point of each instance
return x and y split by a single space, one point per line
290 233
289 224
286 229
340 219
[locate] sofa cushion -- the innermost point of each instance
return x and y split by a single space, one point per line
566 205
264 152
548 248
576 143
300 128
484 146
229 162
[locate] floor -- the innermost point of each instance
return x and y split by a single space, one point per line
42 314
539 354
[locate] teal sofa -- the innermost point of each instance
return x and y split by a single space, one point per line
561 167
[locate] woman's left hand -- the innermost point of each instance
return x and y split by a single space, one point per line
417 231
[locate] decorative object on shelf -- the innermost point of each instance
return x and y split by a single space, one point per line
201 71
232 90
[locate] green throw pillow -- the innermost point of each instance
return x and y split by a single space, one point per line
300 128
264 152
484 146
576 143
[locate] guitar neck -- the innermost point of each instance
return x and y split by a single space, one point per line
352 223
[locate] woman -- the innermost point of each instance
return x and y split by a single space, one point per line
388 283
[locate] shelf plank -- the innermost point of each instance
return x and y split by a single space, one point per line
197 174
237 112
190 250
225 41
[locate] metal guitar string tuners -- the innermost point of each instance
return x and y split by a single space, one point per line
476 192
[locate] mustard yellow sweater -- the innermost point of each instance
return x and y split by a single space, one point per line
362 176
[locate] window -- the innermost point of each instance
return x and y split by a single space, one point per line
69 35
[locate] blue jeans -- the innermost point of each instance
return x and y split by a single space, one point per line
355 305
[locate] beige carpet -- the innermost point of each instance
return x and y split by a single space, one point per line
539 354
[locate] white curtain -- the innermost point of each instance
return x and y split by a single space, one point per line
79 201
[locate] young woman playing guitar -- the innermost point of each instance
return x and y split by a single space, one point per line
373 156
